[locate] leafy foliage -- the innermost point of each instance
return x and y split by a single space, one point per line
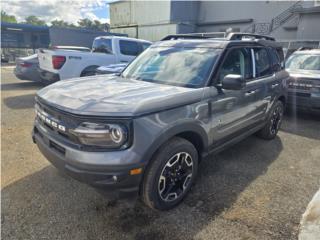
61 23
95 25
34 20
8 18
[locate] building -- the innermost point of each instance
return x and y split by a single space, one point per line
23 39
152 20
76 36
16 35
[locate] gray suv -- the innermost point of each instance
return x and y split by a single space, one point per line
144 132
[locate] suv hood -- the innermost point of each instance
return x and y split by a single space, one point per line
103 95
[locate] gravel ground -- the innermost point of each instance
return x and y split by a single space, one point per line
255 190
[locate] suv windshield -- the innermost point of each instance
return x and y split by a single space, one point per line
187 67
303 62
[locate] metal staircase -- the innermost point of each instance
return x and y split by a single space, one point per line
268 27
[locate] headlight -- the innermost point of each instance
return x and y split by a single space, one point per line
101 135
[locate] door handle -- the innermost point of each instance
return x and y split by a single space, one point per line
274 85
251 92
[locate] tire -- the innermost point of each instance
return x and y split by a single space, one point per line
160 180
270 130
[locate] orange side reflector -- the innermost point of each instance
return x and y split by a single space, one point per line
135 171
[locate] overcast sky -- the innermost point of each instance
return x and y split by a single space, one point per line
48 10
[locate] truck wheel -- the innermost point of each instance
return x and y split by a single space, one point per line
270 130
89 71
172 171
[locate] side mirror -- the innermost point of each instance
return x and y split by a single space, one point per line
233 82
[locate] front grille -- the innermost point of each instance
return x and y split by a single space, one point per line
57 147
304 84
72 121
63 119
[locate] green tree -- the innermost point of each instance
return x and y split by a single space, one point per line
34 20
7 18
61 23
95 25
85 23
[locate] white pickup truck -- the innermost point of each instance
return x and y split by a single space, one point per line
55 65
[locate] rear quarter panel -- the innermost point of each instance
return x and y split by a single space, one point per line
76 62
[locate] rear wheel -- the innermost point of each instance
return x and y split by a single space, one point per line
272 127
170 175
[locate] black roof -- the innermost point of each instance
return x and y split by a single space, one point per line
206 40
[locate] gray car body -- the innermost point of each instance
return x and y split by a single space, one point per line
210 117
304 86
29 73
111 69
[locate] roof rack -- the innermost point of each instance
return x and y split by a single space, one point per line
228 36
195 36
241 36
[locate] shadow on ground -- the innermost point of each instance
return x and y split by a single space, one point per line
21 86
301 123
48 203
20 102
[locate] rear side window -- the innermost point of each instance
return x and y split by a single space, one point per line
275 59
130 48
102 45
145 45
263 66
238 61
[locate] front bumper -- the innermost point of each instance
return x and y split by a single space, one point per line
94 168
305 101
48 77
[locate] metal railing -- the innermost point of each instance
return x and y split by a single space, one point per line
285 15
267 28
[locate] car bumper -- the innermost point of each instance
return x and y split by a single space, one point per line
29 74
305 101
114 180
48 77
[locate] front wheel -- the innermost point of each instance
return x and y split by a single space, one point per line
270 130
170 175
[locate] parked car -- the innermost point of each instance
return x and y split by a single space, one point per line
304 84
144 132
4 58
111 69
60 64
27 67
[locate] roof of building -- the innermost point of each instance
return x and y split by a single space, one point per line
22 27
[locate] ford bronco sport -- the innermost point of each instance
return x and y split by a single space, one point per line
304 84
144 132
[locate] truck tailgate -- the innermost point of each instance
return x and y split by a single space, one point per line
45 60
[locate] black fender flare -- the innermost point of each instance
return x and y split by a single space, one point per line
173 131
90 68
